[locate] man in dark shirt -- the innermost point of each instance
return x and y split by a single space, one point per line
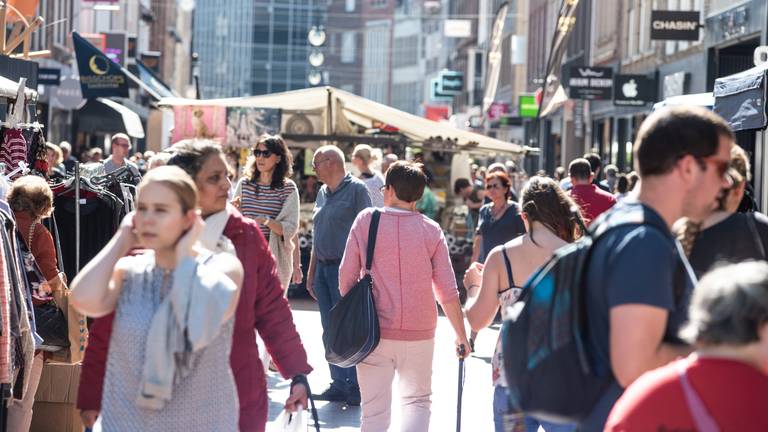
593 201
638 282
596 163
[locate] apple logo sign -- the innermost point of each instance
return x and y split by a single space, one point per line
629 89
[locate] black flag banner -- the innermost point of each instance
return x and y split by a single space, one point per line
553 93
99 76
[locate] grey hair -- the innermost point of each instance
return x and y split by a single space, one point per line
328 149
729 305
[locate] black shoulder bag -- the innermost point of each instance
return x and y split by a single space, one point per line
353 331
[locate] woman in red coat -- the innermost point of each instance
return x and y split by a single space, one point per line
261 306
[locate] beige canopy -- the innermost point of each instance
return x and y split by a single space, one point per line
347 108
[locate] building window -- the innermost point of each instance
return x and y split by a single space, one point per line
348 47
349 5
378 3
406 51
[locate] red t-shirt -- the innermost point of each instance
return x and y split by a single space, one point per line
592 200
734 393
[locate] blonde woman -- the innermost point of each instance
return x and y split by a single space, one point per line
363 156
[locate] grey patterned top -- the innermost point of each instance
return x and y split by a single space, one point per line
205 400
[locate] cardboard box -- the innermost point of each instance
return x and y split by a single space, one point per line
54 408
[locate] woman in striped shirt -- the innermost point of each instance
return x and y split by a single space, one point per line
268 195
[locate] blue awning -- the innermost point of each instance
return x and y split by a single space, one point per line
149 78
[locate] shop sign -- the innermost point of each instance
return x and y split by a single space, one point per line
451 82
497 111
591 83
529 106
116 47
734 22
675 25
634 90
49 76
436 94
99 75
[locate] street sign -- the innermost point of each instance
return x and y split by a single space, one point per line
634 90
451 82
529 107
592 83
49 76
436 94
116 47
675 25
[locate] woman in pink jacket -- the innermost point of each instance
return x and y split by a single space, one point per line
411 269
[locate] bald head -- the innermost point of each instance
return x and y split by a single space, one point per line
333 153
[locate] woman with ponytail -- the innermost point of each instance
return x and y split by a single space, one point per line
551 221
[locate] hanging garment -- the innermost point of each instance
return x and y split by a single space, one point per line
5 326
13 150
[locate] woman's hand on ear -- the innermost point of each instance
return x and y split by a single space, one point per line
185 245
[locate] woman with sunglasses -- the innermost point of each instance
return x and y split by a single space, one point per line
268 195
499 220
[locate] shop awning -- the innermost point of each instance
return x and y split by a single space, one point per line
706 100
349 108
10 88
102 115
154 81
740 98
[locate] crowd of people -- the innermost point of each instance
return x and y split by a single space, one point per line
203 266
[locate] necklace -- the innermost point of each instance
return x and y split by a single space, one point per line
496 214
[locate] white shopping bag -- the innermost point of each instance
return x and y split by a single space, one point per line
263 353
292 422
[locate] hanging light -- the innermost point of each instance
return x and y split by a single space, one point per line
315 77
316 58
316 36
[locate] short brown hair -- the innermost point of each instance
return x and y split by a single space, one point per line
580 169
503 179
32 195
675 132
408 180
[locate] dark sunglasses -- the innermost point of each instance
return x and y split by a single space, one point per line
720 165
262 153
490 186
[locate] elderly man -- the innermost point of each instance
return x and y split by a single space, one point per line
121 148
339 201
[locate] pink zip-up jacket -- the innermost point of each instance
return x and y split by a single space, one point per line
411 269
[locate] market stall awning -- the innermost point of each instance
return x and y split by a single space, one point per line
102 115
349 108
10 88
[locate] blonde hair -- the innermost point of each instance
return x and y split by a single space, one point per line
56 149
177 180
32 195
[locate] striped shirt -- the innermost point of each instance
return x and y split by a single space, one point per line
263 201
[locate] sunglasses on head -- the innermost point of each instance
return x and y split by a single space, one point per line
262 153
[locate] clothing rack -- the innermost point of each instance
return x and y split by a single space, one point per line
77 216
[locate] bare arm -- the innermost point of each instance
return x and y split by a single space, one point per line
454 313
476 242
636 341
481 311
96 288
311 273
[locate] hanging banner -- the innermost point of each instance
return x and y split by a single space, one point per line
205 122
99 76
553 94
245 125
493 70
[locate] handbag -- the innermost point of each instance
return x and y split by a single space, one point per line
50 319
353 331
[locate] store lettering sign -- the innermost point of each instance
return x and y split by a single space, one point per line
591 83
675 25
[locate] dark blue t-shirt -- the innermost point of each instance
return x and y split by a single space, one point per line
495 233
634 264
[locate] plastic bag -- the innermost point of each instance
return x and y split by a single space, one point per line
292 422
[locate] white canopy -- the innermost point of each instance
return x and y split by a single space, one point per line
349 108
10 89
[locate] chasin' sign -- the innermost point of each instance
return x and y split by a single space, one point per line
675 25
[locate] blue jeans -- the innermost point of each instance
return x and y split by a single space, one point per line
501 408
326 288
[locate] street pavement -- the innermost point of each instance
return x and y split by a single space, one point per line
477 414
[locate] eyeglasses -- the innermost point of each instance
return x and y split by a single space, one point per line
383 188
490 186
315 164
262 153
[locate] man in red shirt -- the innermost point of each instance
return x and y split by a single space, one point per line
592 200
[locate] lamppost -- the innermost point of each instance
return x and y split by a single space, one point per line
316 38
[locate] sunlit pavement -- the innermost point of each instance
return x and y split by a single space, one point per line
478 392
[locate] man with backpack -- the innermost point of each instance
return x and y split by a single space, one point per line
637 281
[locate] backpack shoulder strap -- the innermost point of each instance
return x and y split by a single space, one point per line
701 417
756 234
372 230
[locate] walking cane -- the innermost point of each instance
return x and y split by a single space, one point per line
462 350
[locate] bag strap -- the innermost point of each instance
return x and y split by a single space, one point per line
372 231
701 416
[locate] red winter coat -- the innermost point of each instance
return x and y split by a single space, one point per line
261 307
